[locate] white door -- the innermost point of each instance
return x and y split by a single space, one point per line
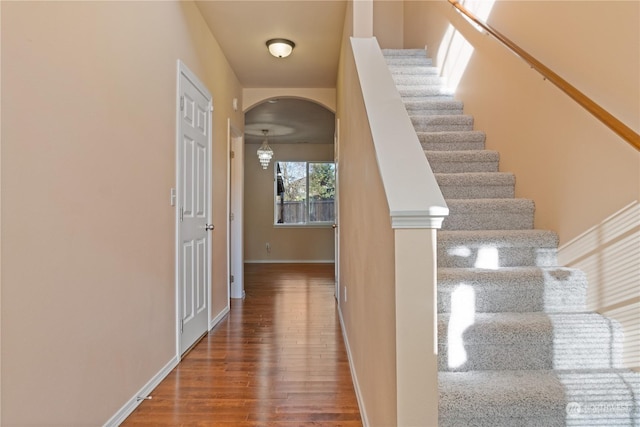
194 198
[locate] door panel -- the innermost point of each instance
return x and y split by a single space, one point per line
194 153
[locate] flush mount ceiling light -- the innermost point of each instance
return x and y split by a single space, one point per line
280 48
265 153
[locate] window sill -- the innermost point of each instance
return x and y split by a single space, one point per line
320 225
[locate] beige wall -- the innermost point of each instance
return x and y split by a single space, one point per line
580 174
287 243
366 260
323 96
0 221
388 23
88 158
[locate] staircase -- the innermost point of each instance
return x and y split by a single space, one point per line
516 344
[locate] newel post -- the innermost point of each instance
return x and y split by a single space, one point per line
416 326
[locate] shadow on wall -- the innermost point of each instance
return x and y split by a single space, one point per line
609 254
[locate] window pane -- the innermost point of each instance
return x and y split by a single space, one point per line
291 190
322 191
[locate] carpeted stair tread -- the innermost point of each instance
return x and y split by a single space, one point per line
463 161
477 185
489 214
497 248
515 289
514 341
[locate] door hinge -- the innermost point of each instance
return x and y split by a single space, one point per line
231 278
181 325
182 103
231 216
233 155
211 108
181 213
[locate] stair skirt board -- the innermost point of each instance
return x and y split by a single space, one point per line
516 344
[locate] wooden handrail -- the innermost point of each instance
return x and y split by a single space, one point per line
600 113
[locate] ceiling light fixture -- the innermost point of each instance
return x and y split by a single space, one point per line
265 153
280 48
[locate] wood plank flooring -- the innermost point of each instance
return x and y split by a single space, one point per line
278 359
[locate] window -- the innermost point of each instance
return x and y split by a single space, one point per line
305 193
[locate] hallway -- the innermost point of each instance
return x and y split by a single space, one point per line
278 359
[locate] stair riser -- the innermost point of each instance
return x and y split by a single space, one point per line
452 140
413 70
460 167
410 61
428 123
483 358
558 342
417 79
451 146
477 192
506 257
412 92
553 421
433 112
444 128
535 355
516 290
517 300
394 53
488 221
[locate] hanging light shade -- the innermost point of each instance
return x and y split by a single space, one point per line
265 153
280 48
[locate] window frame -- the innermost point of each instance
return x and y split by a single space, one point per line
307 206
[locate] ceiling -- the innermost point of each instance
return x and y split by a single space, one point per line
242 29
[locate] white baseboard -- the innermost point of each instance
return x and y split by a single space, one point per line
133 403
213 322
289 261
354 376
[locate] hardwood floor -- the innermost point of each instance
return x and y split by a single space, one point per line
278 359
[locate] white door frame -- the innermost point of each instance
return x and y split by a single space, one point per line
336 236
184 71
235 206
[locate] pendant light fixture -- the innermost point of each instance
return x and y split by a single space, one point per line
265 153
280 48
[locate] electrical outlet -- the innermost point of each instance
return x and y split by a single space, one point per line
268 246
345 294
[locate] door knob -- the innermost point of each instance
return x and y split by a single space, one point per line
209 227
334 226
